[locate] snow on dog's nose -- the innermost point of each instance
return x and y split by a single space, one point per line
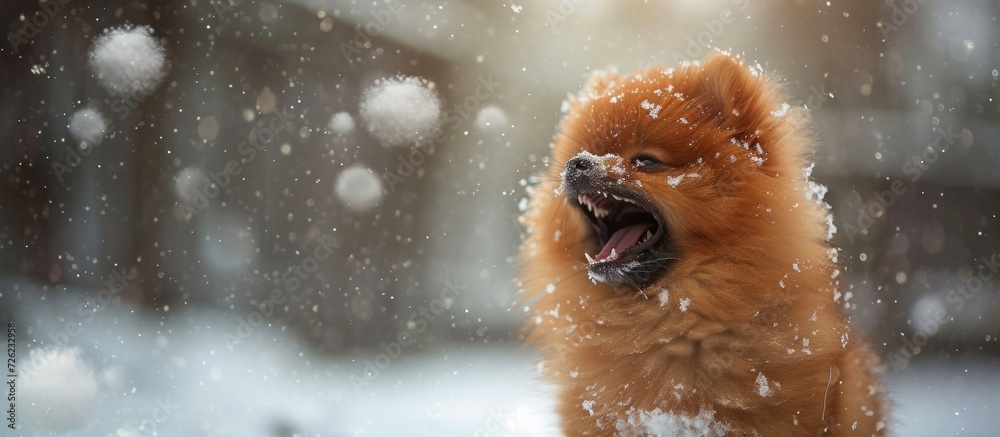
582 166
586 170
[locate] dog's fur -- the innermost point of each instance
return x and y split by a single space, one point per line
738 330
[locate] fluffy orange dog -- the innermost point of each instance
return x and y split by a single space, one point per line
678 266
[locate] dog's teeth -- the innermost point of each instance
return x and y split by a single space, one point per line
605 195
590 259
649 235
612 253
616 197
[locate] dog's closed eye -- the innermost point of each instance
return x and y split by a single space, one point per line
648 163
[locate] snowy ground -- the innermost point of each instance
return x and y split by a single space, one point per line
181 372
946 398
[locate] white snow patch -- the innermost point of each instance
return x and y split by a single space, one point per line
400 111
816 192
358 188
664 297
342 123
88 126
781 112
59 392
667 424
589 406
550 288
762 388
491 118
128 61
684 304
654 109
607 163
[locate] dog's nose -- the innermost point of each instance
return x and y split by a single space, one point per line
581 169
579 164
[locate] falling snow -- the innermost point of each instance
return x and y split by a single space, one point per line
491 118
400 111
88 126
359 188
128 61
342 123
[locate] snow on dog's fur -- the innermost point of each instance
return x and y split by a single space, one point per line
678 266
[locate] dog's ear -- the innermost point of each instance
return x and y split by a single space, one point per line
733 93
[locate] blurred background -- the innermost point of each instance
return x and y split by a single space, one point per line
903 95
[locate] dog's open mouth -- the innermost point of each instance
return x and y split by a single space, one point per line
632 235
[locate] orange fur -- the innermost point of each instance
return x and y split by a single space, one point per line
754 263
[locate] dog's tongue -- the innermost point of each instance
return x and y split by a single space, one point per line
622 239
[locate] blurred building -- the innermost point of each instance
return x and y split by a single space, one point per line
883 82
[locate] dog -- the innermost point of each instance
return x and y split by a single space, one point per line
678 265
